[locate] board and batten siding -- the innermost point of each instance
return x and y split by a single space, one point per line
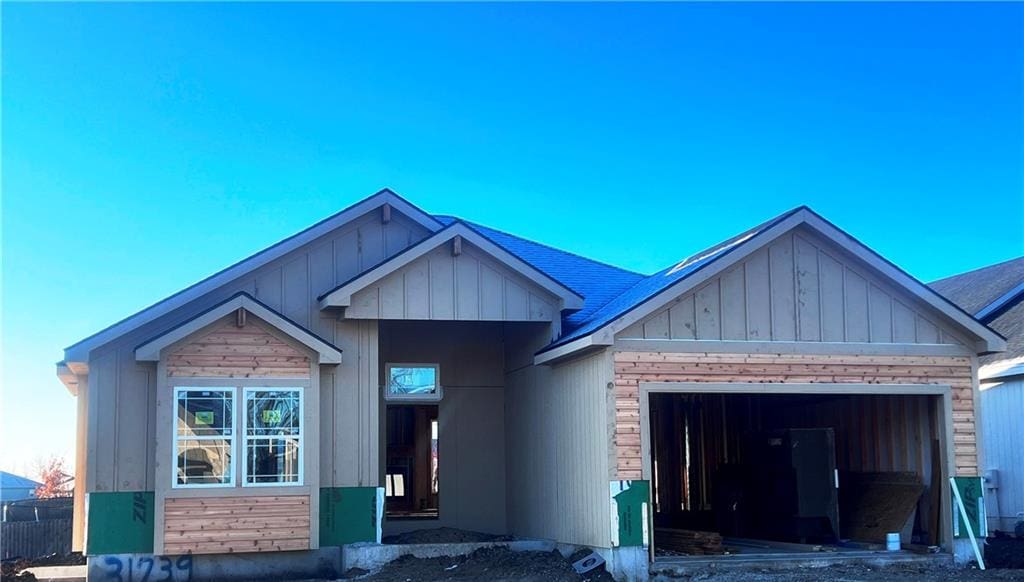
442 286
797 288
1001 413
558 426
122 391
634 368
225 525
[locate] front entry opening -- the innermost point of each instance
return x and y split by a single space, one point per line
770 473
411 481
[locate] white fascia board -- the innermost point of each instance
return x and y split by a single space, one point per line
79 352
68 378
565 350
342 295
150 351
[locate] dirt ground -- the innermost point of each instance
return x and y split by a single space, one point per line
856 573
492 564
442 535
503 565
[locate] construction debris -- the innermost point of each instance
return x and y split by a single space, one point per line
688 541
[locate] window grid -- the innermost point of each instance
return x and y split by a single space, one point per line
294 436
182 437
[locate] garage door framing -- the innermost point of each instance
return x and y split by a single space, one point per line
943 391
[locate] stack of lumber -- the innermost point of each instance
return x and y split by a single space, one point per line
689 541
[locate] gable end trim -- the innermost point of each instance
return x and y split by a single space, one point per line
150 350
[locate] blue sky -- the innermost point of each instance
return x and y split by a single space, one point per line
147 146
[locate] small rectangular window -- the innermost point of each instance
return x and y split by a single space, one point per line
273 436
204 437
412 382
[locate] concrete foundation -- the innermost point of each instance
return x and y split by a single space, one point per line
629 564
323 563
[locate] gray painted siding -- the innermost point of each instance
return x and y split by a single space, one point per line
122 395
471 418
471 286
798 288
1000 415
558 469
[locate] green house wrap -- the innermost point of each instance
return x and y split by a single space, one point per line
350 514
119 523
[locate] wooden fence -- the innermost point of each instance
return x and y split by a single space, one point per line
34 539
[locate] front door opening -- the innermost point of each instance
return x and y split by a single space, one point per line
411 482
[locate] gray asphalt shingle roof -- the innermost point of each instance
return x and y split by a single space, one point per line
974 290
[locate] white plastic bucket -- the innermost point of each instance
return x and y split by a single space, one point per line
892 542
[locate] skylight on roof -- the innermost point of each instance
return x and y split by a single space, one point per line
708 255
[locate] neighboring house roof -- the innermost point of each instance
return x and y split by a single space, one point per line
14 486
994 294
598 297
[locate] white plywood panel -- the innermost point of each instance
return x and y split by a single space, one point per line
657 327
134 399
903 323
417 290
833 309
295 289
758 287
734 309
268 288
396 237
467 287
541 309
783 293
346 256
708 305
808 295
442 285
683 319
492 296
880 313
927 332
856 308
371 244
391 293
516 301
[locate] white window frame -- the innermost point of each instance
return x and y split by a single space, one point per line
434 397
244 441
233 439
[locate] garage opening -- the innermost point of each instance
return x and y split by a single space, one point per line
737 473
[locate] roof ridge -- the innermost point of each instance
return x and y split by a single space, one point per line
547 246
